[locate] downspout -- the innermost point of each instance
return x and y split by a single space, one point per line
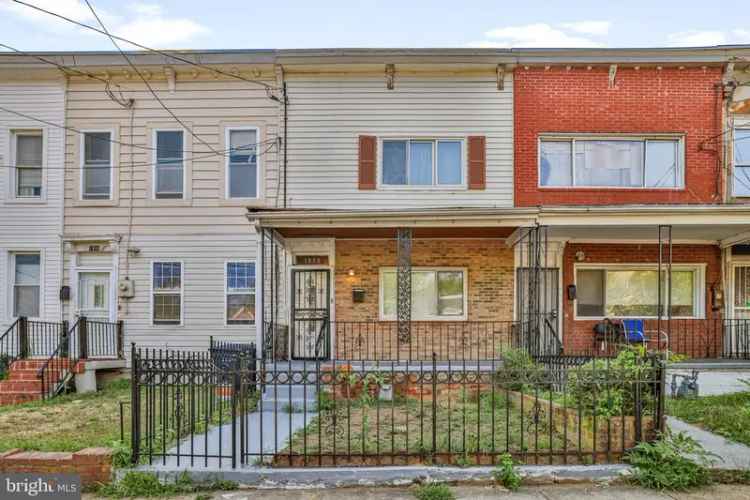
286 134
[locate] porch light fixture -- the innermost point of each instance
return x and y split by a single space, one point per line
351 272
580 256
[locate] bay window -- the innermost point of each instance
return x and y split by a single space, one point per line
422 162
632 291
436 294
627 162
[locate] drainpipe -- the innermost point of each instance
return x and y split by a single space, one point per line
285 98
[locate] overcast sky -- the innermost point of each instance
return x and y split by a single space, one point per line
215 24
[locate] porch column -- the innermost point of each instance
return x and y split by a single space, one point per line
664 263
403 284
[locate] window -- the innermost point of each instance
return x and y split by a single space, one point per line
242 167
26 275
633 292
240 293
28 163
436 294
417 162
167 292
626 162
97 166
741 162
169 167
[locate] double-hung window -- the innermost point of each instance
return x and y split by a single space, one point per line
26 274
422 162
167 293
741 184
169 170
436 294
97 166
242 164
28 163
633 291
627 162
240 293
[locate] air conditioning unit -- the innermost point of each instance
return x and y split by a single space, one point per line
126 288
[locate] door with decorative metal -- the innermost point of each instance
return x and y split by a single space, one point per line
310 314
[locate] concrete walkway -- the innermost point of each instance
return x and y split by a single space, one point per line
733 455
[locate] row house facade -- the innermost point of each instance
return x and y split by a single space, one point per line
382 204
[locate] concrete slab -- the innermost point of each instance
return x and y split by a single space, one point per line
733 455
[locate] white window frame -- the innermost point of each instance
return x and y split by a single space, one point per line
12 280
381 294
423 187
182 292
13 147
680 139
82 153
154 161
734 163
227 294
258 161
699 287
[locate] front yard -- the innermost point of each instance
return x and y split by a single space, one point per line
727 415
67 423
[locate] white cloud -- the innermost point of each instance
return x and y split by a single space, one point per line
596 28
697 38
145 23
536 35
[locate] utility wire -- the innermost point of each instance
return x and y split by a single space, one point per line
143 78
156 51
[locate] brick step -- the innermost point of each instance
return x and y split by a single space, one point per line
10 386
19 397
25 374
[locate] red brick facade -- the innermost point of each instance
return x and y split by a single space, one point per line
578 335
648 100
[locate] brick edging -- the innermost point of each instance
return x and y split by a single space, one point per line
94 465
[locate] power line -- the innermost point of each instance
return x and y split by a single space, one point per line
156 51
143 78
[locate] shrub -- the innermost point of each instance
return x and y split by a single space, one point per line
434 491
121 455
506 474
673 462
519 369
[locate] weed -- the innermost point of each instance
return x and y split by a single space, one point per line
146 484
673 462
434 491
506 474
727 415
121 455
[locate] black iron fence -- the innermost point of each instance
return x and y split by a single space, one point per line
189 411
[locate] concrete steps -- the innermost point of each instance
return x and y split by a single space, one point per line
294 398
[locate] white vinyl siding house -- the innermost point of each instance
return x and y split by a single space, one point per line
31 199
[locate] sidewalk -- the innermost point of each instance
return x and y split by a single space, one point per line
733 455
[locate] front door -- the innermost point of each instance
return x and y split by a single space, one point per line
93 296
310 314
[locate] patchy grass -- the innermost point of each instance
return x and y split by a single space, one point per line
66 423
727 415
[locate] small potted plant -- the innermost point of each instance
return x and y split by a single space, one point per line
374 383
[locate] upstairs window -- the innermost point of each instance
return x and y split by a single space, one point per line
28 162
741 184
604 163
97 166
167 293
242 166
436 294
420 162
170 167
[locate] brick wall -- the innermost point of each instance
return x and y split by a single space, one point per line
669 100
94 465
489 265
690 337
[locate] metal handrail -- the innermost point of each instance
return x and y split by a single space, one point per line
59 354
10 328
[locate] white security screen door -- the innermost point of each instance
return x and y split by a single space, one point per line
93 295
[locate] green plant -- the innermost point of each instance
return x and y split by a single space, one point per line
506 474
518 369
434 491
673 462
727 415
121 454
147 484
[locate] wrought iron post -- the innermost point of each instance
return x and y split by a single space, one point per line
664 259
23 337
403 284
83 338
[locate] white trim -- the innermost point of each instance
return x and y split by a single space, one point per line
11 270
645 138
12 176
699 286
182 292
463 186
82 163
737 261
154 161
227 133
465 280
75 269
254 293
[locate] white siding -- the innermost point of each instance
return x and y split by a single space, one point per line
32 226
328 113
202 231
